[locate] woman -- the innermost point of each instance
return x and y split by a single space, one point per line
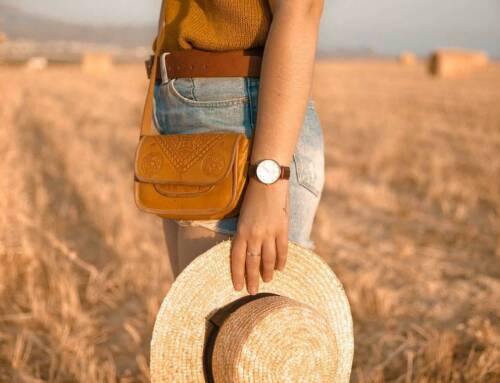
286 127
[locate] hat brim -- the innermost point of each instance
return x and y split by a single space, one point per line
205 286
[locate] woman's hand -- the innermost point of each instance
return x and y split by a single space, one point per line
285 87
262 229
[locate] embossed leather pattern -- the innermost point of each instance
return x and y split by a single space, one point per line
192 176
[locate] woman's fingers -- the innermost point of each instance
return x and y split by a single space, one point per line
268 258
252 266
281 250
253 254
238 251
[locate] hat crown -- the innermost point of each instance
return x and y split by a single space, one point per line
275 338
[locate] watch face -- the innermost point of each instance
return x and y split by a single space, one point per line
268 171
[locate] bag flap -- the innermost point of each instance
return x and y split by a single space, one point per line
186 159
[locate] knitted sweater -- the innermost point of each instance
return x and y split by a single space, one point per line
215 24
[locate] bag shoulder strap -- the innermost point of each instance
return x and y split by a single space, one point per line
147 115
161 18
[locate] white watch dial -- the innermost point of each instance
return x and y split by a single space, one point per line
268 171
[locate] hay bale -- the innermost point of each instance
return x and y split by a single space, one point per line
408 58
454 62
37 63
97 63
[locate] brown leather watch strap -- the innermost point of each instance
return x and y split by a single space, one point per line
285 172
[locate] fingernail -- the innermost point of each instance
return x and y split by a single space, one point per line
238 287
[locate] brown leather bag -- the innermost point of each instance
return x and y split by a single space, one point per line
191 176
188 176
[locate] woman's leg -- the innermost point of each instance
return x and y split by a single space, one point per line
170 233
185 243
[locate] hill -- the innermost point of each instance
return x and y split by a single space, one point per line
19 24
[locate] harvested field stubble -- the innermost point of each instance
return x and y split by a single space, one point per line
409 221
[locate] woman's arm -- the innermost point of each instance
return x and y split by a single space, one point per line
285 89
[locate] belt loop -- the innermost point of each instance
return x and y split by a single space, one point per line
163 66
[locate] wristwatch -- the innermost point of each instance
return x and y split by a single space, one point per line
268 171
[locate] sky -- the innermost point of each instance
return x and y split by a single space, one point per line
386 26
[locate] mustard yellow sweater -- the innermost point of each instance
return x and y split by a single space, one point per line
215 24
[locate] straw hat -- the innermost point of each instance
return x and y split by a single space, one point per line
298 328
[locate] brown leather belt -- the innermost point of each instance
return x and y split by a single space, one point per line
202 63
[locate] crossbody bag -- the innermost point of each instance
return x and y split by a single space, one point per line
191 176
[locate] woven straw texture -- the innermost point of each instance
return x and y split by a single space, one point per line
205 285
275 339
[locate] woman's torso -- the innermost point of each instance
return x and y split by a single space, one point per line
192 105
215 24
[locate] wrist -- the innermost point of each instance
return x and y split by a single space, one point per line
281 184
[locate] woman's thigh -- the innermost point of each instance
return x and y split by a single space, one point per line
170 231
184 244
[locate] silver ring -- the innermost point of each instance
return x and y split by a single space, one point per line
252 254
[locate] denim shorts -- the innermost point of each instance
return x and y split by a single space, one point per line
205 104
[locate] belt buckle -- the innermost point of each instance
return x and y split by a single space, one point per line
163 67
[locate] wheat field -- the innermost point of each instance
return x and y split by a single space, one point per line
409 220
